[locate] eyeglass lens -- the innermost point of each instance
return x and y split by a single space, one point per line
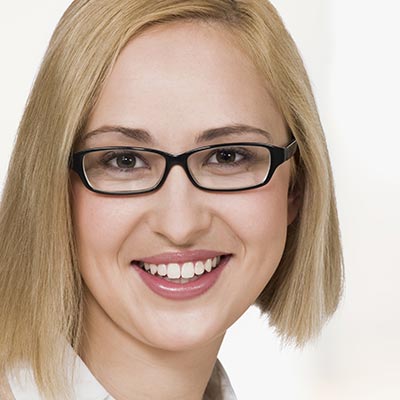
225 167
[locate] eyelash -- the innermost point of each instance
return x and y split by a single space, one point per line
105 161
247 156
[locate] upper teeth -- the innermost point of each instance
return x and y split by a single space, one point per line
186 270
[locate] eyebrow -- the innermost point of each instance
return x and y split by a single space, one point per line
145 137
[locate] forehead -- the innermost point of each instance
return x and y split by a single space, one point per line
178 79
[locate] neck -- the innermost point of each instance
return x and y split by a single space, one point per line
130 369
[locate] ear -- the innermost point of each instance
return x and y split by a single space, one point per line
294 202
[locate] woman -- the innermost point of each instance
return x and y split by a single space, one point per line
170 171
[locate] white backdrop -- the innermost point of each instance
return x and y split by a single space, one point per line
351 51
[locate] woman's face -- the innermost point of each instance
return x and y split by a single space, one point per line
176 81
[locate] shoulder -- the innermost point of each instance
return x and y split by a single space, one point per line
5 390
18 385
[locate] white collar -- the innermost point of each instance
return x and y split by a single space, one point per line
87 387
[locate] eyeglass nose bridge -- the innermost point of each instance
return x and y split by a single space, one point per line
179 160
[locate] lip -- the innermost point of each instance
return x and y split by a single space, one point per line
181 256
182 291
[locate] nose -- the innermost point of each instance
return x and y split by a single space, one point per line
180 211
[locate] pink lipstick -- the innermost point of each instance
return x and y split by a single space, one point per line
181 275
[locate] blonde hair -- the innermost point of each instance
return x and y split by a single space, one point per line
40 287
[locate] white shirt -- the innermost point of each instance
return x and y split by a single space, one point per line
87 387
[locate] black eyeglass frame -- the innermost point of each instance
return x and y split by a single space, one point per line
278 156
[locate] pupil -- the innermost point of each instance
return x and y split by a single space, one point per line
225 156
126 161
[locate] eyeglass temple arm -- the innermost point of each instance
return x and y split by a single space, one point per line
290 149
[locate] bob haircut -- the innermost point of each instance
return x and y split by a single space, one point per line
41 290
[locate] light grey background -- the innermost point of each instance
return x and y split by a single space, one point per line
351 51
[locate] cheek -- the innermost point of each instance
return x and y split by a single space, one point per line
259 218
101 224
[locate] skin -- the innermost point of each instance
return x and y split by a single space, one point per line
138 344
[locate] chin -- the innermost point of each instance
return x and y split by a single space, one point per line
179 336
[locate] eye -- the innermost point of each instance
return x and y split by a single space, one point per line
126 160
226 156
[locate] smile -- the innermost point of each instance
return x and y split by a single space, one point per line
181 271
183 279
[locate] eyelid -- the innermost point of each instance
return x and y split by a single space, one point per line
107 157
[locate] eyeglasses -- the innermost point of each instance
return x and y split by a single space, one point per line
229 167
